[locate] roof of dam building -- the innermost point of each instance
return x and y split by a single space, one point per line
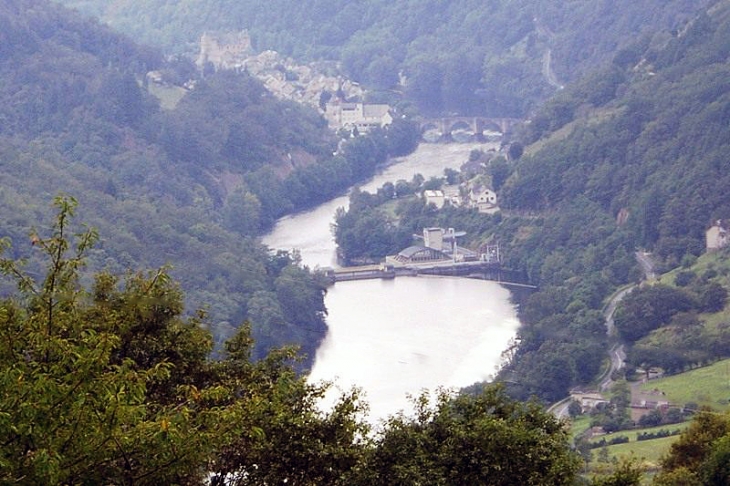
420 254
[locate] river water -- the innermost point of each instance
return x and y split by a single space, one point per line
395 338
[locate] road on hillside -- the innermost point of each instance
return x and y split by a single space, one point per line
547 59
547 70
647 266
616 354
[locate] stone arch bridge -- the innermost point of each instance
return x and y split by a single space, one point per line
475 124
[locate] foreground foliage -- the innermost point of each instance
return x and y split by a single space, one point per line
111 385
484 439
701 456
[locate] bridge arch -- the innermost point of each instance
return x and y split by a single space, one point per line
432 131
431 125
460 124
461 130
491 125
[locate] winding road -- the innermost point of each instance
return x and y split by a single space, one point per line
547 58
547 70
616 353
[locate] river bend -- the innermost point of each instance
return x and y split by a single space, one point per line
394 338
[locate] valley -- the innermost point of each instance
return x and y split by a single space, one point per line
162 328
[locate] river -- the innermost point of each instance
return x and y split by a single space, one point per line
394 338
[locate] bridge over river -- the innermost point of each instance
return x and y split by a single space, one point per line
446 127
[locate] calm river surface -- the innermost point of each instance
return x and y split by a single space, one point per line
392 338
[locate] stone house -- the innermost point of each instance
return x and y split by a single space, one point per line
224 50
362 116
484 199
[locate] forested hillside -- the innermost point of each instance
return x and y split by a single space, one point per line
632 156
190 187
635 156
497 58
105 380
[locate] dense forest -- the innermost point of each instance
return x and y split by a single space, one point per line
469 57
190 187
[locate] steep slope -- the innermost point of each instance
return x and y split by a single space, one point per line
189 188
654 148
634 156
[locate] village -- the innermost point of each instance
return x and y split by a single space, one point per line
321 85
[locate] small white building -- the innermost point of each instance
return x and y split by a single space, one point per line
435 197
717 236
433 238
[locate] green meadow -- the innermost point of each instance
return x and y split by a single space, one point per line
707 386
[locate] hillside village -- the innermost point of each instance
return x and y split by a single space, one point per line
317 84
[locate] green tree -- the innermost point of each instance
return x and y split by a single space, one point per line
74 406
646 309
575 409
242 213
627 473
484 439
716 469
276 431
701 449
113 386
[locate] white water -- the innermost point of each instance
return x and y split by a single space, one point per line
392 338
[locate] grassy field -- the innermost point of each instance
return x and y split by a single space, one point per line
719 263
708 386
579 424
631 434
647 453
